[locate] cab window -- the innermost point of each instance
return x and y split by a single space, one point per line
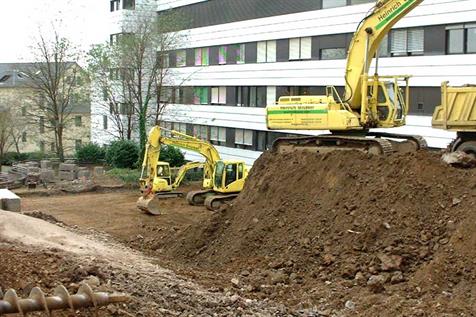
240 171
230 174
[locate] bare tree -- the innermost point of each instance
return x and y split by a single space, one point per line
57 83
5 129
12 125
143 54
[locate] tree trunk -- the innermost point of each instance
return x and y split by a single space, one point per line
59 147
142 132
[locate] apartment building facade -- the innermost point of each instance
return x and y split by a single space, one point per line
31 130
241 55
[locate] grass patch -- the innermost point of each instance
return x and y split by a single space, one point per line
128 176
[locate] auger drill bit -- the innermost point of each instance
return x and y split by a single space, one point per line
38 302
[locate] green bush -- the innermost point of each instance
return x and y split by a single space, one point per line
12 157
122 154
128 176
90 153
172 155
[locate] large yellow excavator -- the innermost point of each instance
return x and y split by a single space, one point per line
370 101
222 180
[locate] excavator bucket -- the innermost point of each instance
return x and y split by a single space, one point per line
149 204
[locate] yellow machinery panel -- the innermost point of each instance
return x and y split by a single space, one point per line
310 113
457 110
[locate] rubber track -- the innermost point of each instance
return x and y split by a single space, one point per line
354 142
209 201
419 140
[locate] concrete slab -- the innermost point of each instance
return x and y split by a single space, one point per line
68 167
67 176
9 201
45 164
98 170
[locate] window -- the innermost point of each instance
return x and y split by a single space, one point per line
117 37
202 56
332 53
243 137
4 78
115 5
407 42
128 4
78 144
461 39
222 54
201 132
200 95
181 58
126 108
104 122
360 1
218 95
333 3
78 121
164 60
261 140
180 127
42 124
240 53
218 134
23 137
251 96
52 146
300 48
266 52
383 48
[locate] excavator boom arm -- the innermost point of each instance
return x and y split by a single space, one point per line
183 170
366 41
184 141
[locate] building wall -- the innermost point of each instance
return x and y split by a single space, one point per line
36 139
249 22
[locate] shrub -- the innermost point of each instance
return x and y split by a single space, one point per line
12 157
172 155
122 154
90 153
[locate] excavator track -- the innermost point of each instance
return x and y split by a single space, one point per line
215 202
198 197
412 143
329 143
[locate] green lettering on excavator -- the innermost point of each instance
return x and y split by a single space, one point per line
393 14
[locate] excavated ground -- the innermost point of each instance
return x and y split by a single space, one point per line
376 236
324 235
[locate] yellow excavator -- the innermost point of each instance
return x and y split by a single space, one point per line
222 180
370 101
162 184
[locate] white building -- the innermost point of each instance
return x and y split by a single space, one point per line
243 54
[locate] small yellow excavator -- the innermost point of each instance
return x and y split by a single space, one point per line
370 101
222 180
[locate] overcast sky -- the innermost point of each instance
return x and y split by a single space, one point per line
84 22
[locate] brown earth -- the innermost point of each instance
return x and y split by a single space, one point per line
310 231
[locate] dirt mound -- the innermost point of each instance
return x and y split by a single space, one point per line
305 218
43 216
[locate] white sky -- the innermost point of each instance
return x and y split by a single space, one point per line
84 22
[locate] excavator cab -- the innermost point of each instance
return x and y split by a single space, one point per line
229 176
386 99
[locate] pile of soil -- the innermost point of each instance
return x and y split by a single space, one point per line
348 222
